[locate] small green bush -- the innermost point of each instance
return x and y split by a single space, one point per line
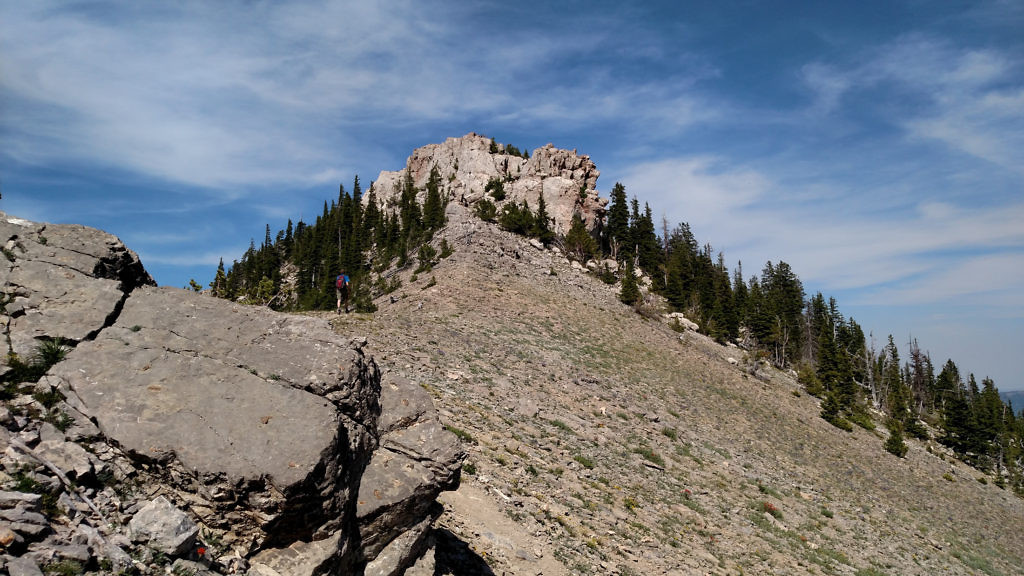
650 455
496 188
584 461
461 434
561 425
64 568
862 418
486 210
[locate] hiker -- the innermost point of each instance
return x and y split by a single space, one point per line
341 290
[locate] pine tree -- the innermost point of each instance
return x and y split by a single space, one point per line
433 206
541 228
630 292
895 444
648 246
616 231
219 286
578 243
830 412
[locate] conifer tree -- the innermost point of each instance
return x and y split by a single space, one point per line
541 228
433 206
578 243
830 412
895 444
630 292
616 231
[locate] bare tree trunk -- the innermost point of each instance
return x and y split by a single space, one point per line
869 365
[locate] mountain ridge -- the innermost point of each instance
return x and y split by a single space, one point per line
673 454
652 436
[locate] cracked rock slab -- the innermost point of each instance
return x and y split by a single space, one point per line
416 461
271 411
62 281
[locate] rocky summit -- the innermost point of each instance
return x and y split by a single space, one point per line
566 179
148 429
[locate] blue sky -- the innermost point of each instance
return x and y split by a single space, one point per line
878 147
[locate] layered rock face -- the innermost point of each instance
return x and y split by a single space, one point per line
244 433
567 180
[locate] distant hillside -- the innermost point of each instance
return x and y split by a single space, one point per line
1015 397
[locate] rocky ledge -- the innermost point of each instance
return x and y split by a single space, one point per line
146 429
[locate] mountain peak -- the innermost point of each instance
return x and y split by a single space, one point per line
466 164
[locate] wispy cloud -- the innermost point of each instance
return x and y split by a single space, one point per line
939 253
969 99
226 96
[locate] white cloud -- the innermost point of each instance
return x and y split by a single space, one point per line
940 253
971 100
228 95
827 86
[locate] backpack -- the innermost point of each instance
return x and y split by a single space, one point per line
342 281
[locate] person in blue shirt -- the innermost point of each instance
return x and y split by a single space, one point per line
341 291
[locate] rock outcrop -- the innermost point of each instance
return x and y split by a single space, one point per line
181 428
567 180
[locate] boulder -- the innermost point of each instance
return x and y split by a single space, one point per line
23 566
163 527
62 281
416 461
263 426
683 321
273 412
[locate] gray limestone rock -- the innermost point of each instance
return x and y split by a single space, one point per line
23 566
260 425
298 559
164 527
62 281
566 179
417 460
271 411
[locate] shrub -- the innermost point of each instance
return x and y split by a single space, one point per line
895 444
809 379
495 188
861 418
446 249
771 509
584 461
561 425
486 210
461 434
426 256
517 218
650 455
